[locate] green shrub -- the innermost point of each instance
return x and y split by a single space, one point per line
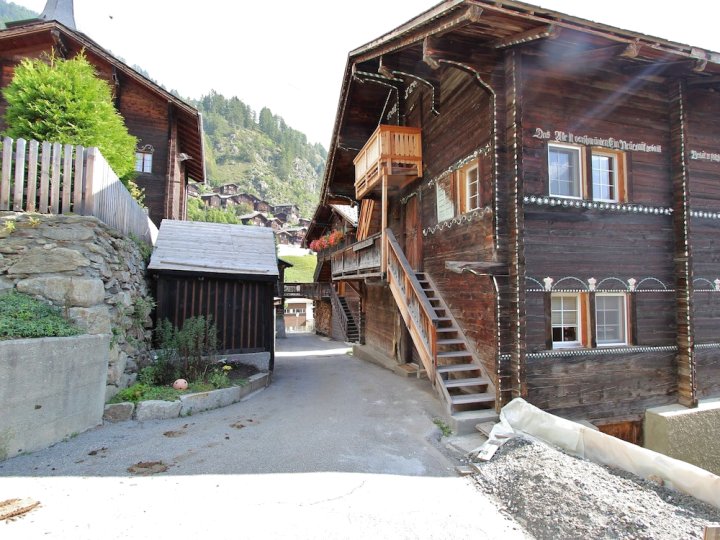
22 316
57 100
191 349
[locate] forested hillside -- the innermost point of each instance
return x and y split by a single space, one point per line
12 12
260 152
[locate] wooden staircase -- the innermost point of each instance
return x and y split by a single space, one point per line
352 332
453 370
460 378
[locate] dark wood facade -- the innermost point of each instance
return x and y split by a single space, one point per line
164 125
241 307
503 88
230 274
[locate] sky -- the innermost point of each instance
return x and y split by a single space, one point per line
290 55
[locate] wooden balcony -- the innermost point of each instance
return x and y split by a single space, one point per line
393 152
359 261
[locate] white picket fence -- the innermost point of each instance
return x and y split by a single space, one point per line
51 178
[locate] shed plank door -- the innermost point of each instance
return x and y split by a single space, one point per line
413 238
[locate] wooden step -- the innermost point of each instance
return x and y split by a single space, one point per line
464 399
448 329
454 354
450 342
444 319
455 368
459 383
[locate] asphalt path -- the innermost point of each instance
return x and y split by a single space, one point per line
333 448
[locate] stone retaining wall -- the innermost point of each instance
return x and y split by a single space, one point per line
91 271
50 389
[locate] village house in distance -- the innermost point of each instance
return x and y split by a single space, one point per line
169 131
283 219
539 209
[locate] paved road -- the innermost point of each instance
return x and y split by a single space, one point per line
334 448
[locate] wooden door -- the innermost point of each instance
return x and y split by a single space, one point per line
413 234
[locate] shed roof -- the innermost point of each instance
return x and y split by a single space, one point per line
215 248
347 212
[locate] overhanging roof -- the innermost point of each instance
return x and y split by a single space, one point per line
214 248
473 27
189 119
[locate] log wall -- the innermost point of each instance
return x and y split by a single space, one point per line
602 386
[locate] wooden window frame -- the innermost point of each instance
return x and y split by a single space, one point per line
620 174
585 180
581 167
463 193
582 322
143 161
624 311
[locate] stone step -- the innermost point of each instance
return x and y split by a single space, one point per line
464 422
465 399
473 381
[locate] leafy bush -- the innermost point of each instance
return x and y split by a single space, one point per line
57 100
191 349
22 316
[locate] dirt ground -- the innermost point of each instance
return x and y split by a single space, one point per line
557 496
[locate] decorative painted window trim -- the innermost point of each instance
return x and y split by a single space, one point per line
634 285
548 201
704 214
707 345
469 217
601 351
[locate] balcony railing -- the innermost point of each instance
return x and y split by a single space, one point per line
313 291
393 150
360 260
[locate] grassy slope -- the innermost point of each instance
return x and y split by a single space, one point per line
303 268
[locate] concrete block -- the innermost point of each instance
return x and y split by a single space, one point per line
157 410
119 412
686 434
50 389
204 401
257 381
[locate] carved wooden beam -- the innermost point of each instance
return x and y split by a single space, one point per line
549 31
59 44
428 54
478 268
603 53
666 69
419 72
470 15
704 82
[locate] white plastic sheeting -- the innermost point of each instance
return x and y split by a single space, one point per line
581 441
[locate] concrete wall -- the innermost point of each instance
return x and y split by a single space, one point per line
687 434
50 389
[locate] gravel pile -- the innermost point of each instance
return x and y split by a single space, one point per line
554 496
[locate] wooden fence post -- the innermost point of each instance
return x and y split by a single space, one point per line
5 179
79 184
44 177
89 198
19 175
32 176
67 177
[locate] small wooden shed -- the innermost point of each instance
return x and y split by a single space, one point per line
226 272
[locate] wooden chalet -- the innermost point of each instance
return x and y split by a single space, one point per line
169 131
539 211
226 272
255 218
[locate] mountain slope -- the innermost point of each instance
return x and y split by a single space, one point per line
10 11
260 152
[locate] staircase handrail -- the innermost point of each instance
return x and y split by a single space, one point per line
427 319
